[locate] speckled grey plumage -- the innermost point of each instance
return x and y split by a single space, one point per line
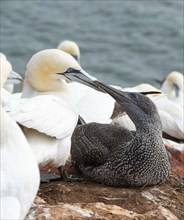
118 157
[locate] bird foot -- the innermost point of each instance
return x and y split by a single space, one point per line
46 177
68 177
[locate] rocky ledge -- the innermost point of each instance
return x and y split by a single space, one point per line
92 201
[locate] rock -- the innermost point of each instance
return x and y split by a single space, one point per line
84 211
92 201
160 214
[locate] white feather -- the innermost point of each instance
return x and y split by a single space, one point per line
47 114
19 171
92 105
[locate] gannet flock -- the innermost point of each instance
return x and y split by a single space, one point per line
120 142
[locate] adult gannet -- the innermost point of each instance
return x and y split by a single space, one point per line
7 72
118 157
70 47
46 110
19 170
92 105
173 87
8 77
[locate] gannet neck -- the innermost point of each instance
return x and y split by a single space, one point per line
142 112
28 91
145 120
44 66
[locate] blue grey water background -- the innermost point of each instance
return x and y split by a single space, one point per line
122 42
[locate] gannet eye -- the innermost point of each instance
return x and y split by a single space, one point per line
135 96
176 88
70 70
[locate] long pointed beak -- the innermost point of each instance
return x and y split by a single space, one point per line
83 78
14 78
150 92
119 95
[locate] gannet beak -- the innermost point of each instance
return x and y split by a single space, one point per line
119 95
14 78
82 77
151 92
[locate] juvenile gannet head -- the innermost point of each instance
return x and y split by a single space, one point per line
173 85
48 68
70 47
139 108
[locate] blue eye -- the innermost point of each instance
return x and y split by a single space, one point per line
135 95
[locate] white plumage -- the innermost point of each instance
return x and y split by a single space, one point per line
92 105
19 171
53 120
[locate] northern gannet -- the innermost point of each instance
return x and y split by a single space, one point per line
19 170
118 157
171 114
47 110
173 87
7 72
8 77
70 47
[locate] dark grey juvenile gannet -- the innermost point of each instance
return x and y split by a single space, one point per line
118 157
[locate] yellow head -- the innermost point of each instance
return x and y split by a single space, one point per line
70 47
43 68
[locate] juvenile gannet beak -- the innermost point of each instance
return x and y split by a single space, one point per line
14 78
119 95
82 77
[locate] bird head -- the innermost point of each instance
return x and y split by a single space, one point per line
47 69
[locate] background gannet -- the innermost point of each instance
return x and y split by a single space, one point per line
46 110
7 72
118 157
19 170
8 77
173 87
70 47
